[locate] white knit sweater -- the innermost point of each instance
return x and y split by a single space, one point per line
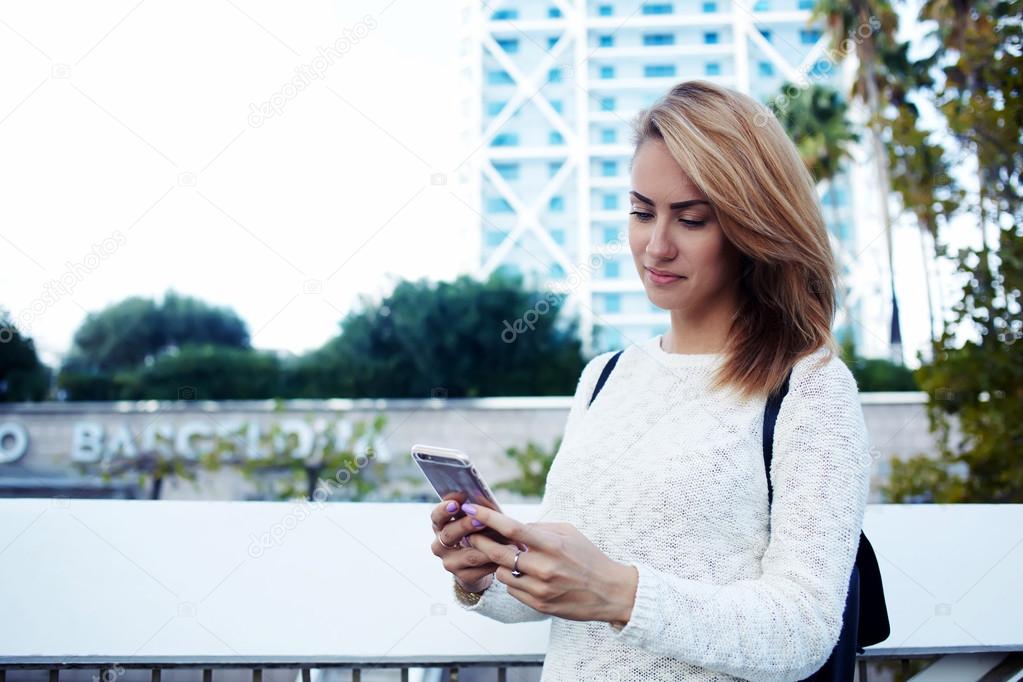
664 475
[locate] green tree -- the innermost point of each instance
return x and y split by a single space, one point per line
23 376
127 333
533 463
869 27
815 118
877 374
449 339
204 372
978 382
112 347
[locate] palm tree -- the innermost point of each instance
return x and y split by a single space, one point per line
870 27
815 118
922 177
816 121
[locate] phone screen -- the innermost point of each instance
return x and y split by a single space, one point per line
453 478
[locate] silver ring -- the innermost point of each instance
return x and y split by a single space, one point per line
446 545
515 567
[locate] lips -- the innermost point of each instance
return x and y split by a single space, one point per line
664 273
662 277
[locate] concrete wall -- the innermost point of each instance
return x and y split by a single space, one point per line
59 434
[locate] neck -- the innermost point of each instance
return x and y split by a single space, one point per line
702 330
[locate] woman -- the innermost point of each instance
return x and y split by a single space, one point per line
655 549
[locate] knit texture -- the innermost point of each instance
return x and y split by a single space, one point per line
665 475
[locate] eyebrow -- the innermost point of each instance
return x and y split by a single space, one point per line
675 206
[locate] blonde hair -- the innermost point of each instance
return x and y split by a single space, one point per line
765 201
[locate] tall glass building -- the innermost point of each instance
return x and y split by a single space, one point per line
554 85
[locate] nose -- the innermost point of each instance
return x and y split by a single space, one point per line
660 245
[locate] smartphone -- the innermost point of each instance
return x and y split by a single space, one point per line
452 475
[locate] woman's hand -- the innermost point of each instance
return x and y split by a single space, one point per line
565 574
471 567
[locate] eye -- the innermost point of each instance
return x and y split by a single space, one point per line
693 223
641 216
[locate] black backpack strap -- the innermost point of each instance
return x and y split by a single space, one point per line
770 417
604 374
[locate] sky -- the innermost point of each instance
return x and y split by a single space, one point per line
148 145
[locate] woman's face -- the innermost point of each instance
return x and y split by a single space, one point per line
673 230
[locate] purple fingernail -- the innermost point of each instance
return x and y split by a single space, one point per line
452 506
476 522
469 508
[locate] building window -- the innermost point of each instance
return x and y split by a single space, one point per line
554 75
499 77
557 272
765 69
821 69
761 6
834 197
805 4
553 12
607 72
710 38
611 270
557 105
609 202
508 171
495 237
612 303
605 10
552 41
555 138
558 236
498 205
509 45
658 39
657 8
608 136
552 168
494 108
506 14
659 70
609 169
611 235
607 103
809 36
766 33
712 69
557 203
609 338
710 7
505 140
606 41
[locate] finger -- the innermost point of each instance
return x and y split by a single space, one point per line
498 552
455 531
530 583
440 515
516 531
526 588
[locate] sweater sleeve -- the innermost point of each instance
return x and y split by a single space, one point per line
783 624
496 602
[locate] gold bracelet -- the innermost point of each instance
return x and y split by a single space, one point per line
465 596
